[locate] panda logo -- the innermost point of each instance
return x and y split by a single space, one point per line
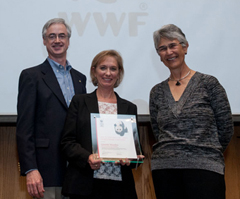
120 128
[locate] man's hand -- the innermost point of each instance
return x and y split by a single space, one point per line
35 184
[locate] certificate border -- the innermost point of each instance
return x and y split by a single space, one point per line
119 116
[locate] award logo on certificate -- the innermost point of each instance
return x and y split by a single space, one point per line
115 137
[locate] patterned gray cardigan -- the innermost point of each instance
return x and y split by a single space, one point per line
194 132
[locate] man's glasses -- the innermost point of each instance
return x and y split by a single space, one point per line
53 37
171 46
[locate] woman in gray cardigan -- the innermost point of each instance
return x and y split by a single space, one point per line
192 123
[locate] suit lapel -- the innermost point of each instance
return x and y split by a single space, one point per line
50 79
77 82
122 106
91 102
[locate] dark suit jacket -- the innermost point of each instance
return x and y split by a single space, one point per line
42 111
76 145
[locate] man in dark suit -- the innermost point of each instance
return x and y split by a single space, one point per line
45 92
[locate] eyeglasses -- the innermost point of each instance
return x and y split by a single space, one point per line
53 37
171 46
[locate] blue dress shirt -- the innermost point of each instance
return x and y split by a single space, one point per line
64 79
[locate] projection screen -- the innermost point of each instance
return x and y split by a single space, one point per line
211 27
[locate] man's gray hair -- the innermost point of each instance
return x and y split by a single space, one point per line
56 21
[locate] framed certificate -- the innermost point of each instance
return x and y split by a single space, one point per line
115 137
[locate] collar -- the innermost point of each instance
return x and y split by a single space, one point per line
58 66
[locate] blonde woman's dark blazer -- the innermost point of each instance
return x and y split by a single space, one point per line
76 145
